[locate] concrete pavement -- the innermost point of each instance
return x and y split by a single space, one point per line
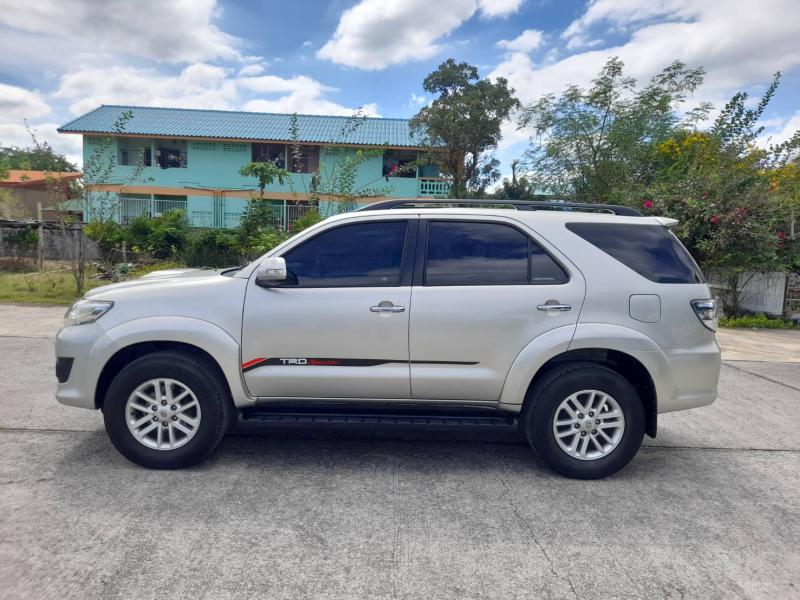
710 509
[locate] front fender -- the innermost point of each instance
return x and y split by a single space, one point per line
196 332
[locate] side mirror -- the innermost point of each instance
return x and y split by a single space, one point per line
271 272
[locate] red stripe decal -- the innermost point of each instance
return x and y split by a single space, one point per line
250 363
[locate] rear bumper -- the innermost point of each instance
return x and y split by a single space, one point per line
684 378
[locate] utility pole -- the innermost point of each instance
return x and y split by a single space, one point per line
41 235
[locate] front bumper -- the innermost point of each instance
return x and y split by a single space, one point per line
89 347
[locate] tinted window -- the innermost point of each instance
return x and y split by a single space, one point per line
544 270
462 253
650 250
367 254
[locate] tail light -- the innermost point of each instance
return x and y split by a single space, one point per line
706 311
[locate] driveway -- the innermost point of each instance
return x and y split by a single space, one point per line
710 509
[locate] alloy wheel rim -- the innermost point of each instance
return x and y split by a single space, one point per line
588 425
162 414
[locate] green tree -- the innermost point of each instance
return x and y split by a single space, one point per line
333 187
93 205
516 188
40 157
736 199
266 173
462 124
591 143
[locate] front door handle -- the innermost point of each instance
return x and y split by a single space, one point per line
387 307
554 307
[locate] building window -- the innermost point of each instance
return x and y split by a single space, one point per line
134 152
306 161
234 147
270 153
171 154
399 163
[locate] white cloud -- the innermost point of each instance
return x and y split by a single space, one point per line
499 8
528 41
197 86
374 34
251 70
302 94
178 31
304 104
779 130
730 44
17 103
16 134
417 100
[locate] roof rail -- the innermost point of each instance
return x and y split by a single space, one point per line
559 205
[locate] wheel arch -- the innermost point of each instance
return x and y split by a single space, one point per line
632 354
128 354
142 336
620 362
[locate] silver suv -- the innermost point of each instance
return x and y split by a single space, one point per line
578 324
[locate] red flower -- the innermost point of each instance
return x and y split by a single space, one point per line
781 235
647 204
714 220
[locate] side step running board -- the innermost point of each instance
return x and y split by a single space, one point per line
419 418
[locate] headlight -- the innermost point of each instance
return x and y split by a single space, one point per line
86 311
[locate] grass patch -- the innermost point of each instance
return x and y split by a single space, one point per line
57 286
759 321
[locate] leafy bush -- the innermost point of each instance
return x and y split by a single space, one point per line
307 220
212 248
759 321
161 237
23 241
109 236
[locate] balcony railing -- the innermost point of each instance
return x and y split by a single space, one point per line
433 187
130 208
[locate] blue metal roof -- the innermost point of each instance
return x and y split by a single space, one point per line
193 123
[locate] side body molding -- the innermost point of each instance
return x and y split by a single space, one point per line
584 336
215 341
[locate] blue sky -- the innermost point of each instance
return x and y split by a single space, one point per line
59 60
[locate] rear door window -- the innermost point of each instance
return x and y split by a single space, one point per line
475 253
651 250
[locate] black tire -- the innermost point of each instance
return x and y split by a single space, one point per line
555 386
194 372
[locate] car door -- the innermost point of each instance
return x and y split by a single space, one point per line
338 328
481 287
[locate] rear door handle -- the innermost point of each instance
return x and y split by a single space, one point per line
554 307
390 308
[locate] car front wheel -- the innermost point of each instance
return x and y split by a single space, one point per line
585 420
167 410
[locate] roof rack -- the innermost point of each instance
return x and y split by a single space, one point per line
558 205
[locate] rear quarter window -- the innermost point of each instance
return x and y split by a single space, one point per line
651 250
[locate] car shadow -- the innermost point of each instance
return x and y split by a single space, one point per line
453 452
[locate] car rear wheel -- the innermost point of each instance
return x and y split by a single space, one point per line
585 420
167 410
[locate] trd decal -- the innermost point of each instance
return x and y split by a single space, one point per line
338 362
